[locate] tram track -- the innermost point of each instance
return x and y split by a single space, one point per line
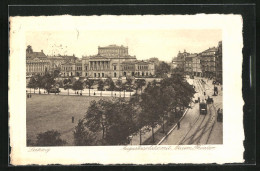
201 130
200 90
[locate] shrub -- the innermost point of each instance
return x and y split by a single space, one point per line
50 138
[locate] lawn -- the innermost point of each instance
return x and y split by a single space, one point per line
47 112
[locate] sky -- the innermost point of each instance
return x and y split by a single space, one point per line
144 44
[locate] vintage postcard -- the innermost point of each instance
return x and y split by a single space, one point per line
149 89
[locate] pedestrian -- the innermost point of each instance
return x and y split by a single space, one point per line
115 94
204 93
72 119
178 125
27 95
94 93
199 99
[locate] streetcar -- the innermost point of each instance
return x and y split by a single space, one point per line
203 108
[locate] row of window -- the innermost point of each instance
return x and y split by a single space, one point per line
35 68
142 67
115 74
78 68
98 75
112 51
128 67
67 68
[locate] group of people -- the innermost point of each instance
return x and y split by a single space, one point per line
29 95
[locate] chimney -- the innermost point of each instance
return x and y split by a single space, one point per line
42 51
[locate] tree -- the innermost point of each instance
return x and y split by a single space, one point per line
150 106
129 84
56 73
40 81
114 118
124 87
162 69
48 81
78 85
111 85
50 138
67 84
119 85
32 83
139 84
83 136
89 83
138 115
101 85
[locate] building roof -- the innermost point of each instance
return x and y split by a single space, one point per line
213 49
113 46
36 55
192 55
140 62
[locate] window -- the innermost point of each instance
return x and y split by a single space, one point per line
133 73
98 74
115 74
114 67
103 75
86 74
95 75
86 68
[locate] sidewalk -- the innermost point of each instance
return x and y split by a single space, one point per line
85 92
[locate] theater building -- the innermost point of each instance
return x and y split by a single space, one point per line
114 61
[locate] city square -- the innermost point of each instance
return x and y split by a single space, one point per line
63 89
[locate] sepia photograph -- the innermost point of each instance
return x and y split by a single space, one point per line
122 88
86 88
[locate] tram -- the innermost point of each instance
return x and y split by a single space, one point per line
203 108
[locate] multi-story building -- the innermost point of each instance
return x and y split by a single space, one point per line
219 62
196 66
114 61
36 62
179 61
111 61
208 62
138 69
188 65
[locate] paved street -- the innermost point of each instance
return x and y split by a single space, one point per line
195 128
